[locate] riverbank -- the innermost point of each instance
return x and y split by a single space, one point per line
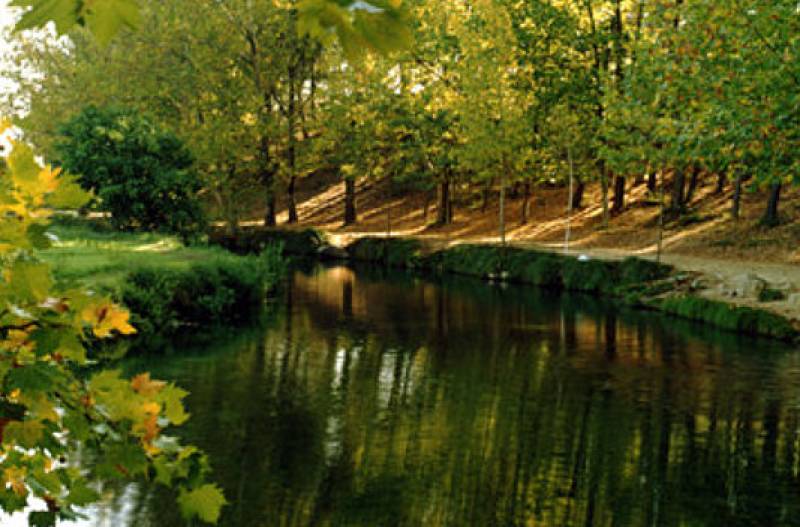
741 305
171 290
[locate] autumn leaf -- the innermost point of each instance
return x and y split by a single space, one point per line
146 386
106 318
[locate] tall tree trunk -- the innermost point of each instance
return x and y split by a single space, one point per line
771 218
722 180
349 201
269 216
660 244
503 207
292 153
577 193
678 190
652 181
526 202
425 206
619 194
292 204
443 211
693 182
267 178
487 189
604 188
737 194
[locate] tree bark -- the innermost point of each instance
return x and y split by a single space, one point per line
349 201
619 194
577 194
269 216
771 218
526 202
443 212
693 182
737 195
722 180
652 181
292 205
292 152
487 188
503 207
678 191
604 188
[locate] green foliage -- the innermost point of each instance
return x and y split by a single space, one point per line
394 252
299 243
52 404
141 174
230 291
771 295
359 26
103 17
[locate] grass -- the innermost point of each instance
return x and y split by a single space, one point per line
102 259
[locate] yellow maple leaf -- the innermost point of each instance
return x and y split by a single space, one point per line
14 477
144 385
48 178
106 318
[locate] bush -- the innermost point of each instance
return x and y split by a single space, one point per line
635 271
394 252
207 295
303 243
140 172
771 295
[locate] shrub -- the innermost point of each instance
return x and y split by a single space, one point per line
394 252
303 243
771 295
207 295
635 271
140 172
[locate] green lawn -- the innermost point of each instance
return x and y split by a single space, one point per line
102 259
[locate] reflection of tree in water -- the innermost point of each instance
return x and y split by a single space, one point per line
371 403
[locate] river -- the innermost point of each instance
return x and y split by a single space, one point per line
380 399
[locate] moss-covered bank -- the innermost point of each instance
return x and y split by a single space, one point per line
632 281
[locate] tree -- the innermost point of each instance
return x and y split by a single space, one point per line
141 174
50 398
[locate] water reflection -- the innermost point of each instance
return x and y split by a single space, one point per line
382 400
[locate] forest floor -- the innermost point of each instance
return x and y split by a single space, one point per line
705 241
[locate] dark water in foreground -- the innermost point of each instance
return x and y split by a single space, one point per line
382 400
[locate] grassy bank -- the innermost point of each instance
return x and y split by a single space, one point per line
100 258
170 289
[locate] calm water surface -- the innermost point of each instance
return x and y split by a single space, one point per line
383 400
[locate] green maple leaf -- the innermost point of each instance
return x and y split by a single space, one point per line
204 502
106 18
26 434
64 13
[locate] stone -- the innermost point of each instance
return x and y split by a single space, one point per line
747 285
